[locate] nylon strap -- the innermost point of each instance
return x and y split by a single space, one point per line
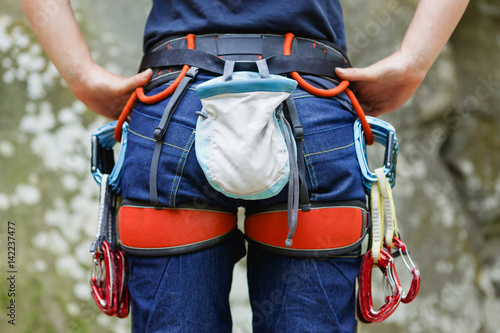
278 64
298 133
389 207
293 181
377 222
159 132
383 214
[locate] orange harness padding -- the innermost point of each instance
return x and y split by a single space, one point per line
145 230
322 231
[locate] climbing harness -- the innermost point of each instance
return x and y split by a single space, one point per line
384 236
108 272
238 57
248 64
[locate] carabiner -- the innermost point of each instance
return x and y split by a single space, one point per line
384 134
365 310
102 160
415 282
103 281
123 293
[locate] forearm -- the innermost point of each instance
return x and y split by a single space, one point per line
60 37
430 29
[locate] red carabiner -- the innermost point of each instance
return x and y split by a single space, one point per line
103 281
365 310
123 293
415 282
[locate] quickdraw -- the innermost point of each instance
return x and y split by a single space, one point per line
108 272
379 185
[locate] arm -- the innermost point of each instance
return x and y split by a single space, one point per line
103 92
390 82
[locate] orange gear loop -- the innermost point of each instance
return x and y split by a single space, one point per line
139 93
287 47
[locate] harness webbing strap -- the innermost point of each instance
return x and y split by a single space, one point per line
278 64
293 180
389 207
323 231
384 223
161 129
298 133
149 231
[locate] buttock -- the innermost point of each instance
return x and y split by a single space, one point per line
332 171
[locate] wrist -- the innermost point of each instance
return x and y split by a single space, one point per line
80 77
414 65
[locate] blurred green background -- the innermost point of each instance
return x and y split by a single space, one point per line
447 195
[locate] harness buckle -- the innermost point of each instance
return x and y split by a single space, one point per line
298 132
158 134
192 72
385 134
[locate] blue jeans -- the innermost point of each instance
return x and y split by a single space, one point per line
189 293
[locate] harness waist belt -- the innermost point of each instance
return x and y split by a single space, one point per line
326 230
149 231
309 56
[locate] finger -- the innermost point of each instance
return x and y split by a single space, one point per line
369 74
137 80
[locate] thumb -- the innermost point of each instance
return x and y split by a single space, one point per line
369 74
137 80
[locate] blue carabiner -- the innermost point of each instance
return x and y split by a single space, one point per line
385 134
102 160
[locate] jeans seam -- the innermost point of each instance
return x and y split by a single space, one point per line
325 293
178 173
330 150
156 292
310 168
151 139
284 296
